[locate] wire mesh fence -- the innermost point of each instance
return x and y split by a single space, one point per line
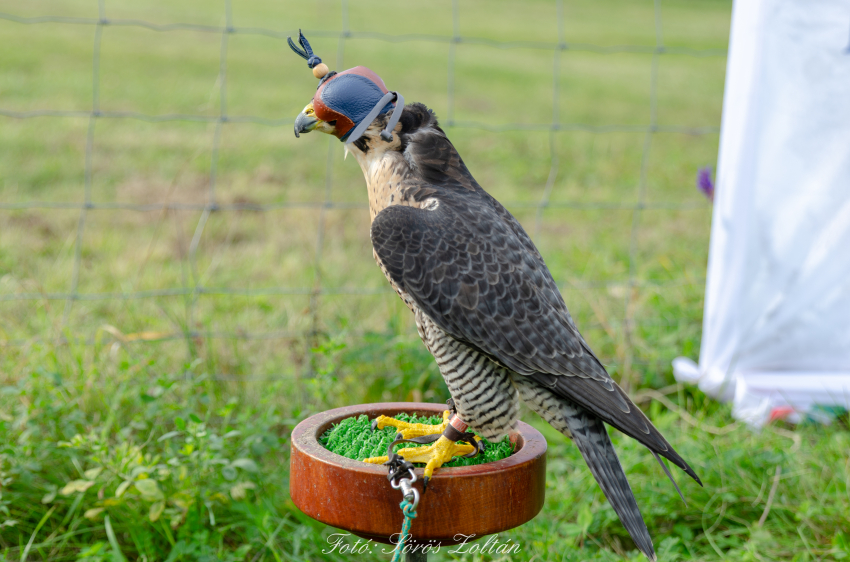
322 278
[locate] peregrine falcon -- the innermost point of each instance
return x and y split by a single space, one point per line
485 304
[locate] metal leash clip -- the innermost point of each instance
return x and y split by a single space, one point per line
398 467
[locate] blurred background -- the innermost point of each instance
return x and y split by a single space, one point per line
182 280
151 181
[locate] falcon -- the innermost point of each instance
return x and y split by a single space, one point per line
485 304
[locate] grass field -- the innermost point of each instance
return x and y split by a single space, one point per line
155 353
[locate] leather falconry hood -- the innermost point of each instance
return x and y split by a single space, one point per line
352 98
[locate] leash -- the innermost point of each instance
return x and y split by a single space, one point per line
398 467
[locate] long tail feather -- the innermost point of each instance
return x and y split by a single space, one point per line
595 446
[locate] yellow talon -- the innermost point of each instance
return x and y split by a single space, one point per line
433 456
377 460
411 430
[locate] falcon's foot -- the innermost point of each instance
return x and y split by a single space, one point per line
407 431
434 456
410 430
444 448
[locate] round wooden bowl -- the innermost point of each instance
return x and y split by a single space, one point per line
469 500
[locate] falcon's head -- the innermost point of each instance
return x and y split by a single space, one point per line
357 108
345 101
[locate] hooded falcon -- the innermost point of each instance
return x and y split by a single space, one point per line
485 304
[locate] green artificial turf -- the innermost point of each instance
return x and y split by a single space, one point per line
353 438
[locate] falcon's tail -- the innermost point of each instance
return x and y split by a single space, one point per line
592 440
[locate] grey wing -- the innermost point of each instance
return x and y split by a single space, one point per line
472 269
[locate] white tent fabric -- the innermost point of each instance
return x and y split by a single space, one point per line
776 328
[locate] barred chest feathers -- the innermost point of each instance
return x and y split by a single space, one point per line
482 390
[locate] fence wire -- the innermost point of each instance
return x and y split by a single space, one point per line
192 287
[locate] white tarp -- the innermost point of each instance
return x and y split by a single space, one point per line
776 328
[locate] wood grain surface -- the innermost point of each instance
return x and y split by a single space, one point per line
470 500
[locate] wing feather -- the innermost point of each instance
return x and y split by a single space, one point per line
470 266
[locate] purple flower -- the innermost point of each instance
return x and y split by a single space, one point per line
705 183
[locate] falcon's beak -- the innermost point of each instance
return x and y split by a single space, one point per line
306 121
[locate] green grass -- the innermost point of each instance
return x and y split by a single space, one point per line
81 423
353 438
107 409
